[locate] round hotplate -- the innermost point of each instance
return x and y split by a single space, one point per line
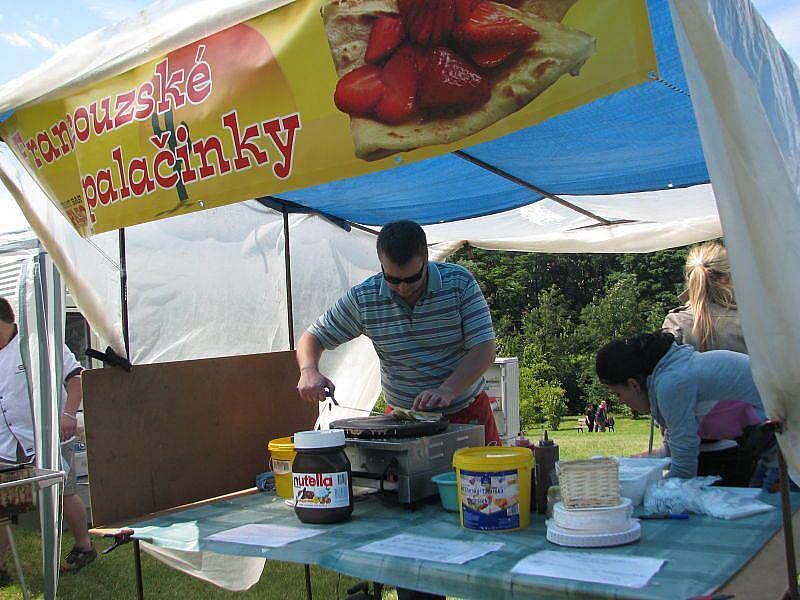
386 426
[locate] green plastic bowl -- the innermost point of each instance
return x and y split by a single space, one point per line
448 492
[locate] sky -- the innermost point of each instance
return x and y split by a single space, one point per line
31 32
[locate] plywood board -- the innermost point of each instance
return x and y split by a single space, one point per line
169 434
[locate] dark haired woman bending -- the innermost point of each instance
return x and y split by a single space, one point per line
696 396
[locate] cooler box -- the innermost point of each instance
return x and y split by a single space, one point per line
502 385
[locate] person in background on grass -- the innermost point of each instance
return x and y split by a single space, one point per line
696 396
16 435
610 423
601 416
590 417
430 326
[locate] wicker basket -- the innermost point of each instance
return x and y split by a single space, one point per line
18 499
589 483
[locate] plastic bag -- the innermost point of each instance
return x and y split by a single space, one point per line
694 495
675 495
723 503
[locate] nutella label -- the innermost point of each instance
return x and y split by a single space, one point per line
321 490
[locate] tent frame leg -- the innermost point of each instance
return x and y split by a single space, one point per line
17 563
137 561
307 570
788 532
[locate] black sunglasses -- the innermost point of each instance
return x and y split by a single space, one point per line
398 280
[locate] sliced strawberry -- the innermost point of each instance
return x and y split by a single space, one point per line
444 21
428 22
492 57
400 77
359 91
489 26
423 26
418 53
464 8
386 35
450 83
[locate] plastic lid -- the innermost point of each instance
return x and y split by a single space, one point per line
493 457
281 444
313 440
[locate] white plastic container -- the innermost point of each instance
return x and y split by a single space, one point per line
606 519
636 474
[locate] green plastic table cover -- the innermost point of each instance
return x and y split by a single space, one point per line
702 552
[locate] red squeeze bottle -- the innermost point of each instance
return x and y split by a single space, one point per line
545 456
522 442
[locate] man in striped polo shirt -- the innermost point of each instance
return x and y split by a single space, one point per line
429 324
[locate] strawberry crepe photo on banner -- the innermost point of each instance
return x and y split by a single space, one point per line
416 73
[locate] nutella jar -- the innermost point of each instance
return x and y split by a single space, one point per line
321 479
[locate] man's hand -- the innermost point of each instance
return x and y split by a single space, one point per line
312 385
67 424
433 399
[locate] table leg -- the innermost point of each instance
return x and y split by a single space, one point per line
307 570
137 558
788 534
17 563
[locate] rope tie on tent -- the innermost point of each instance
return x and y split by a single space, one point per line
110 357
654 77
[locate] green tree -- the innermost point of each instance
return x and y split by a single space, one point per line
541 399
557 310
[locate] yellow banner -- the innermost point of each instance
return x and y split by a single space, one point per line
318 91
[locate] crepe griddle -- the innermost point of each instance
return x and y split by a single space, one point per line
386 426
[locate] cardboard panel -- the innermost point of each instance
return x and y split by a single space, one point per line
168 434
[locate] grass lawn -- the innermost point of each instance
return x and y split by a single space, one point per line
630 437
112 576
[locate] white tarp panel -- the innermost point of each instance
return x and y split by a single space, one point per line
662 219
213 284
746 94
15 248
90 268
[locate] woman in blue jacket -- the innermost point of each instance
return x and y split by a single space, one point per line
697 396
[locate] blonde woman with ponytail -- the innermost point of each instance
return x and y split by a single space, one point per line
710 319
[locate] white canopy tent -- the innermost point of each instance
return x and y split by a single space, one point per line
212 283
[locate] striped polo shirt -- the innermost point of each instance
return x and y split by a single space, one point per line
418 347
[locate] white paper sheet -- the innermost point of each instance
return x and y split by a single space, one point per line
268 536
452 552
594 567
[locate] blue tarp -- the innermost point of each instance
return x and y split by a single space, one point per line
643 138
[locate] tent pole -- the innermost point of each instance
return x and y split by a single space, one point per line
137 562
529 186
123 291
287 261
788 533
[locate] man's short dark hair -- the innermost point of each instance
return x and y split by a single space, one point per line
6 312
401 241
